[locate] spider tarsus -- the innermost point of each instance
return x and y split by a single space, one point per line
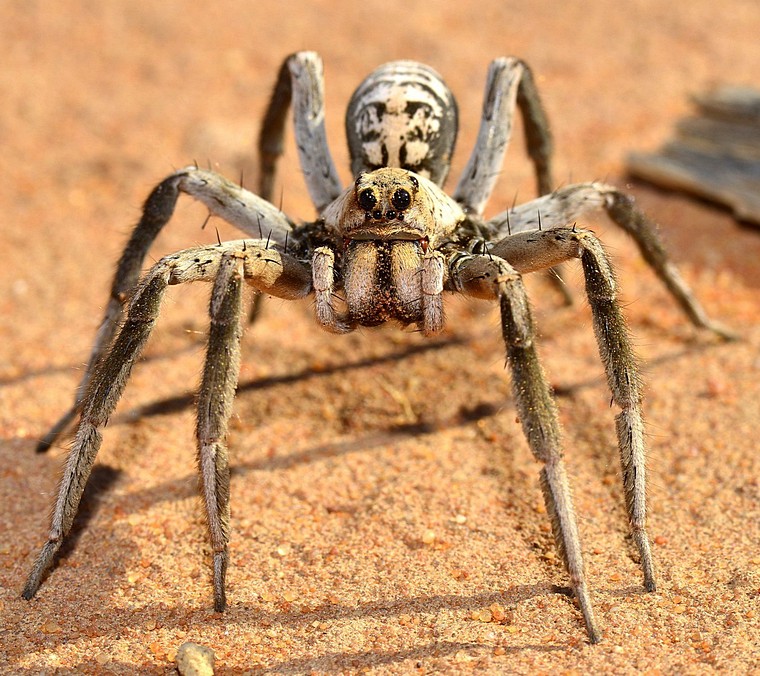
584 603
645 554
725 333
220 575
594 635
41 566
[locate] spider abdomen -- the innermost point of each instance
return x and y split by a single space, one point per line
402 115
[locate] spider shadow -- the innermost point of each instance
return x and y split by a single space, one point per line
104 478
355 662
388 612
182 402
693 347
78 369
358 662
168 490
295 620
101 482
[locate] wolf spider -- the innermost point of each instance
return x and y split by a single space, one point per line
385 248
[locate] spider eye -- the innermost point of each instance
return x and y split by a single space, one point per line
401 199
367 199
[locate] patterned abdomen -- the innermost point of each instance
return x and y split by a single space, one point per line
402 115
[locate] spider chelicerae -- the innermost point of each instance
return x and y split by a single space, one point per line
384 249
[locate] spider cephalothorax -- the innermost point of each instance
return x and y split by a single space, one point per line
384 249
389 204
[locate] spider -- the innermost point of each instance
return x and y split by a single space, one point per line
384 249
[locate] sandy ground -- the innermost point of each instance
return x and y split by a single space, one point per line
386 513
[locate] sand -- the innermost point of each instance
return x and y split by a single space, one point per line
386 516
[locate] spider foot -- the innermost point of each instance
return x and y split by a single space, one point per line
41 566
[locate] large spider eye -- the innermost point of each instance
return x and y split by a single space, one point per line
367 199
401 199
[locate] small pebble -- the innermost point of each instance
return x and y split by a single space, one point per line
51 627
497 612
195 660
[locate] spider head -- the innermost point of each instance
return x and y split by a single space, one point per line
392 204
385 198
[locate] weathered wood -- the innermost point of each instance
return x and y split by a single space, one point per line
715 154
